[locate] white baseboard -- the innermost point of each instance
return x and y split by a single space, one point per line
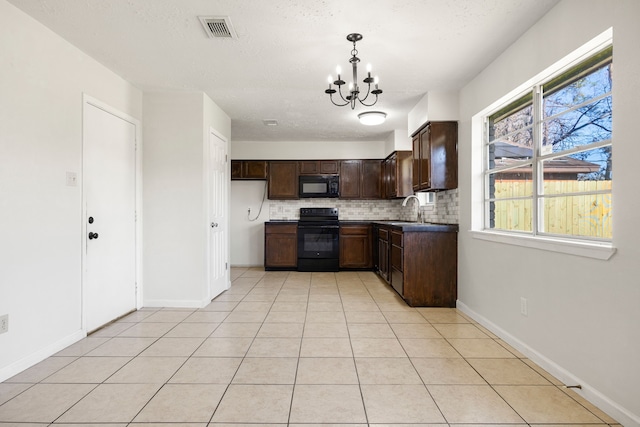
174 303
37 357
613 409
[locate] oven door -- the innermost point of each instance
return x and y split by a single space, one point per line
318 248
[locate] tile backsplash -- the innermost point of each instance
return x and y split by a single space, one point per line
443 210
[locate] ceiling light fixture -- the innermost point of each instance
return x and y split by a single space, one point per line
372 118
354 90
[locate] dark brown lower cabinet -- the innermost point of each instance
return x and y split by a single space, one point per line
280 246
355 246
422 266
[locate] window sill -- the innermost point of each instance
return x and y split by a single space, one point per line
601 251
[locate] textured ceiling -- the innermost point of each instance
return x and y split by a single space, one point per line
278 66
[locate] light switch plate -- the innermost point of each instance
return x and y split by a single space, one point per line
4 323
72 179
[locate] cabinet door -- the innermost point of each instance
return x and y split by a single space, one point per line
350 179
425 159
254 169
355 246
283 180
416 162
236 169
280 246
444 155
329 167
371 179
404 174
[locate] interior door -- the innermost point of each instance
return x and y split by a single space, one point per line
218 281
109 180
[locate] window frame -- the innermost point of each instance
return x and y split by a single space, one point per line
576 245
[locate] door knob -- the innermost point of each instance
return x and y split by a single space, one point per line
214 224
93 236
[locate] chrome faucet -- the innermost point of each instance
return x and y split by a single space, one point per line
406 200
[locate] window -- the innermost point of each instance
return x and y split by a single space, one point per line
548 168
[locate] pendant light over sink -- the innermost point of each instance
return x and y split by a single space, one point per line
354 93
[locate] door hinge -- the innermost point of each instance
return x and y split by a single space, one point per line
226 158
226 265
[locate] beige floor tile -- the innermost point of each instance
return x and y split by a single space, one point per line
43 402
507 372
111 330
428 347
329 404
254 404
445 315
227 297
324 306
147 330
207 370
224 347
589 406
110 403
95 425
147 370
41 370
246 316
325 317
259 298
365 317
446 371
138 315
10 390
380 370
396 305
267 370
415 330
326 330
360 306
220 306
547 375
236 330
88 370
122 346
173 347
253 306
399 404
370 330
472 404
281 330
192 330
377 347
326 347
207 317
171 316
545 405
286 317
284 297
510 349
326 370
183 403
459 330
274 347
82 347
404 317
317 298
290 306
479 348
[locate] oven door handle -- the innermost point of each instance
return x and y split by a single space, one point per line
319 226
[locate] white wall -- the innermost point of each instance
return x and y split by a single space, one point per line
433 106
247 237
43 79
583 322
176 132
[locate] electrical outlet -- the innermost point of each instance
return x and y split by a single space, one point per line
524 310
4 323
248 211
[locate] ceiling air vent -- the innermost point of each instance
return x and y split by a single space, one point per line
218 27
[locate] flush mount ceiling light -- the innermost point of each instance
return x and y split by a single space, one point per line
354 90
372 118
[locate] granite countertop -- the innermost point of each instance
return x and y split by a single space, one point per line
417 226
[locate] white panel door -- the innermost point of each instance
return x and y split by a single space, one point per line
109 179
217 215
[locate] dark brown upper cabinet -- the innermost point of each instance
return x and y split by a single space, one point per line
435 157
283 180
397 176
360 179
249 169
319 167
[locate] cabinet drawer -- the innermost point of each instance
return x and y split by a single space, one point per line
383 234
281 229
397 238
354 230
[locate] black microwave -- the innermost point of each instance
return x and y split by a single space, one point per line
319 186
